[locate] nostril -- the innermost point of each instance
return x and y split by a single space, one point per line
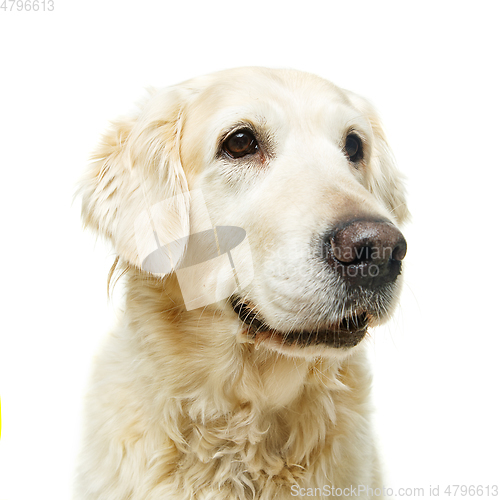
353 248
399 251
341 252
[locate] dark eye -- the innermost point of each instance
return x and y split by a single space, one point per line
353 148
240 144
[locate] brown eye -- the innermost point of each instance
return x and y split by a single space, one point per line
353 148
240 144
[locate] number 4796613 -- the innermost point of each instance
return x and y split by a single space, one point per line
471 491
27 5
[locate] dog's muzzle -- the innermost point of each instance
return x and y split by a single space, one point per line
365 256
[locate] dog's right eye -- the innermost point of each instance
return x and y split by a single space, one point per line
240 143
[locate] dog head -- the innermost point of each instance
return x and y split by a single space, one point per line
300 167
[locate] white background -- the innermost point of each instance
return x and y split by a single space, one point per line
431 68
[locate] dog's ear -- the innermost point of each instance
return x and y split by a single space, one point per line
135 170
385 180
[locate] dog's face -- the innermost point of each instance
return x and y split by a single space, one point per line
301 165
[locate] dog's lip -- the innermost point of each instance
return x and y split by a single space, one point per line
346 333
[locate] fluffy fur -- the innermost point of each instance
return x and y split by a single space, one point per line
185 404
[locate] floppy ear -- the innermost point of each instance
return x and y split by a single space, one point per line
385 180
135 169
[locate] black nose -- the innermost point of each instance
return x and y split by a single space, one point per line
366 253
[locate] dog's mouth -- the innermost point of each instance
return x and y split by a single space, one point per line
346 333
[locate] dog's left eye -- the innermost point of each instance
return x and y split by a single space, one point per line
241 143
353 148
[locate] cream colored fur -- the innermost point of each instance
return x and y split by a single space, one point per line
182 404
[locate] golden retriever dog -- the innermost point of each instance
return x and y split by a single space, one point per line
254 215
